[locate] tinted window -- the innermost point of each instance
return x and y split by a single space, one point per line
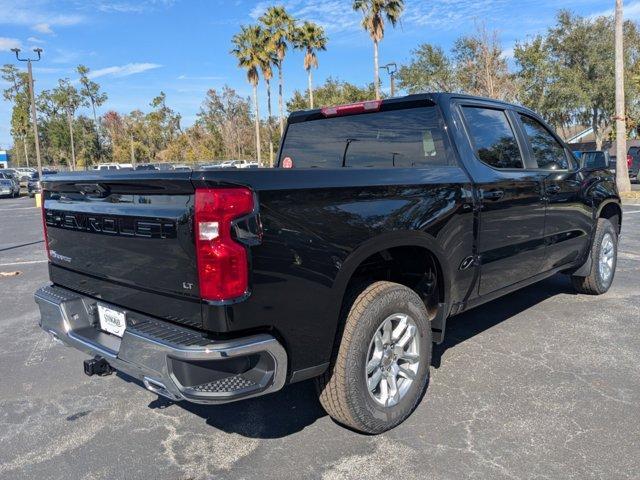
493 138
547 151
399 138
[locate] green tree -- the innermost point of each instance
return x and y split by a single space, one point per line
67 97
226 117
481 68
476 65
569 71
332 92
374 13
310 38
18 93
91 91
430 70
247 50
280 26
162 126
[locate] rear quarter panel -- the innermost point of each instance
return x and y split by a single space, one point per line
319 224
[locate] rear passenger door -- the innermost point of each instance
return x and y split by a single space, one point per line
511 219
568 216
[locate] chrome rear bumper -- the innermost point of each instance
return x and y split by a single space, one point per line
172 361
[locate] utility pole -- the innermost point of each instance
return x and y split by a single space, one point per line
391 69
622 171
34 118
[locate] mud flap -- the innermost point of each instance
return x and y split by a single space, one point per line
439 323
585 269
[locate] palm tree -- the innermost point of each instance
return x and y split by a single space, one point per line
247 51
268 58
280 26
374 13
310 37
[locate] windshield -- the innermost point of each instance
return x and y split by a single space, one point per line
411 137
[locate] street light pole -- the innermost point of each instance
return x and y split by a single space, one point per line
34 118
391 69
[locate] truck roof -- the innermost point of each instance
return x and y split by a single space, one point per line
398 102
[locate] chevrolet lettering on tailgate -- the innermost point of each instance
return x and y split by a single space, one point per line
112 225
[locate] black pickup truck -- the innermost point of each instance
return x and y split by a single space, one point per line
382 220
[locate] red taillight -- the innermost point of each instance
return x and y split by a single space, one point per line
352 108
223 268
44 223
629 161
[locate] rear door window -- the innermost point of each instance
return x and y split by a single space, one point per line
492 136
412 137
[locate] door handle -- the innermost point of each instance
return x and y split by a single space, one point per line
553 189
492 195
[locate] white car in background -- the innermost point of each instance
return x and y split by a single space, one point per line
113 166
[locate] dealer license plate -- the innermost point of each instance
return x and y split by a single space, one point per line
112 321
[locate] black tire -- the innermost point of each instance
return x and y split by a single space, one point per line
343 389
597 282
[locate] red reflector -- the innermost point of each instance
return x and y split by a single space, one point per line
629 161
223 268
44 223
352 108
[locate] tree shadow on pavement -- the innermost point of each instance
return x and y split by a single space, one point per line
469 324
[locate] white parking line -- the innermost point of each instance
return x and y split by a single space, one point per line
628 213
31 262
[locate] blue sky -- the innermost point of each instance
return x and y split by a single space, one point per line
138 48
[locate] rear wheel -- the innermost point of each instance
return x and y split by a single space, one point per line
380 369
604 257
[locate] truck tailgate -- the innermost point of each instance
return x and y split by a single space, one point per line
126 238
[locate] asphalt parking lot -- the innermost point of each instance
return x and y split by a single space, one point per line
540 384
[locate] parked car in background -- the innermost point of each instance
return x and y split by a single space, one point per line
25 173
10 185
7 187
164 166
15 183
12 173
182 168
145 166
113 166
34 185
233 164
633 162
